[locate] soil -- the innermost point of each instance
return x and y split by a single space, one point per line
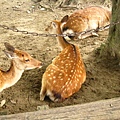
103 75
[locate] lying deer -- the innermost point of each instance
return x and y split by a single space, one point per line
86 19
65 75
20 61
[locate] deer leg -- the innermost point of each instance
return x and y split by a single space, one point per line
87 35
42 93
94 34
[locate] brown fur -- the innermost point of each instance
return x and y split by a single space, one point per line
88 18
92 17
20 61
65 75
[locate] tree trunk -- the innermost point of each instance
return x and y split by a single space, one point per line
112 46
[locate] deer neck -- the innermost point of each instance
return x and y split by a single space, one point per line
61 40
11 76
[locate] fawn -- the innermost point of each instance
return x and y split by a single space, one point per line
92 17
65 75
20 61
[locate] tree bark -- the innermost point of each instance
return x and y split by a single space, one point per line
112 46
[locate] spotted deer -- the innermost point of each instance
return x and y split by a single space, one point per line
20 61
92 17
65 75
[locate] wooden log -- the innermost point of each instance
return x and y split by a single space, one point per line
99 110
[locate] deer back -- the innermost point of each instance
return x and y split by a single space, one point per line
89 18
66 74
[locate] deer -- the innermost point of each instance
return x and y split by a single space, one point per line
89 18
20 61
65 75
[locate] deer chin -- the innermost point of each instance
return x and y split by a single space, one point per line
32 67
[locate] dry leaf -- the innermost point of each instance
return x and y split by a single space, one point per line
2 103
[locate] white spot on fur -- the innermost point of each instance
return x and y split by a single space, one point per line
49 75
79 75
68 78
54 81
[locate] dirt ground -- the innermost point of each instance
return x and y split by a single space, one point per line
103 76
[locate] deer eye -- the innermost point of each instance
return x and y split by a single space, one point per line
27 60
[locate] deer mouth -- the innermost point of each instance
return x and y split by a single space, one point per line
40 65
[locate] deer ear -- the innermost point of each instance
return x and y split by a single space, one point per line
10 54
9 47
54 24
65 19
